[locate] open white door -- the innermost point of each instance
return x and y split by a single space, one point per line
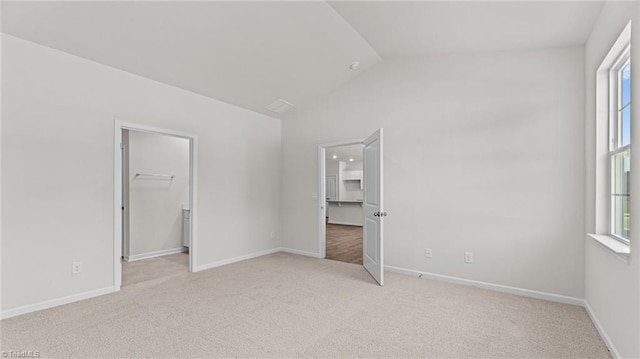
372 205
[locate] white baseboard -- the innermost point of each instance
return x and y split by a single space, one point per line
496 287
236 259
346 223
612 349
55 302
302 253
164 252
255 255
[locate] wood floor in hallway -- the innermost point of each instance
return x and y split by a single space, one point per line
344 243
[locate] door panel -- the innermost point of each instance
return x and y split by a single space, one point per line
371 174
371 230
372 206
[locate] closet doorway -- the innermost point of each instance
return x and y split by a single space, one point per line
154 203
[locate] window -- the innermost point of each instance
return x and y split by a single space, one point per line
620 145
611 183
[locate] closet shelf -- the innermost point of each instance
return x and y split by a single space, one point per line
154 176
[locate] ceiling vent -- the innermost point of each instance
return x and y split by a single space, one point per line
279 106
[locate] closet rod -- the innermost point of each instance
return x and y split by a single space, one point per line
155 175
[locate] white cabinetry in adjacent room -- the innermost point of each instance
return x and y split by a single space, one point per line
352 175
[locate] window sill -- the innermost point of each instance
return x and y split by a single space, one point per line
620 250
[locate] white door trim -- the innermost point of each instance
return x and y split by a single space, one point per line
117 192
322 201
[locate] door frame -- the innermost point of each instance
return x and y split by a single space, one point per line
117 191
322 197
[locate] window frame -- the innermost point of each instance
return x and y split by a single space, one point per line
615 133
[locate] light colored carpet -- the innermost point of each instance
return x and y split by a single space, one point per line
284 305
154 268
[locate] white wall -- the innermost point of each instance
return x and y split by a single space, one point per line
483 153
58 115
155 205
612 288
347 213
332 167
352 166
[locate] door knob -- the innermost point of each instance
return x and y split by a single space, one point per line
376 214
383 214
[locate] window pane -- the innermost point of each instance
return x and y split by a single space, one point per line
625 89
625 121
620 175
621 216
620 167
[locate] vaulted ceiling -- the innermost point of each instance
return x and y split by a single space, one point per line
252 53
410 29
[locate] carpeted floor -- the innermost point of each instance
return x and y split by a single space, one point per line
285 306
154 268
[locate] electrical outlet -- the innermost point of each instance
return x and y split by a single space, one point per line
428 253
468 257
76 267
